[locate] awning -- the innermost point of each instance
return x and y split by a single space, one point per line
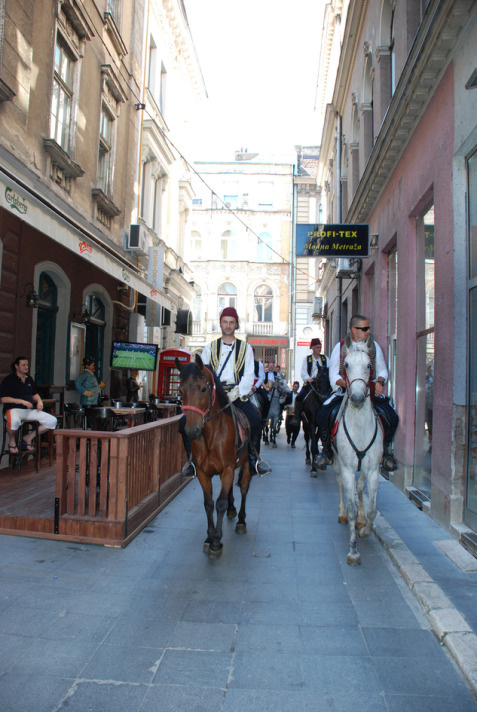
36 211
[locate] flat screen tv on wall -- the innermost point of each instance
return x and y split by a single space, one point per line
128 354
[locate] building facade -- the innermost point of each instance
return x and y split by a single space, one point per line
240 250
397 152
77 111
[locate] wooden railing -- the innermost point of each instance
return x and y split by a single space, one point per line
109 485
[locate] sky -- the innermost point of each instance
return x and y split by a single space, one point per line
259 59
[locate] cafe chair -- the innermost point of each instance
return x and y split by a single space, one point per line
100 418
74 416
17 460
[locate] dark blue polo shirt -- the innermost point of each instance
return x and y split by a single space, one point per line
13 387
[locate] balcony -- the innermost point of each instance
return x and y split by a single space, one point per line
262 328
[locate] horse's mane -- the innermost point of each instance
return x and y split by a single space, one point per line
191 369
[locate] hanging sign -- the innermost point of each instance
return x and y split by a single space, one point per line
332 240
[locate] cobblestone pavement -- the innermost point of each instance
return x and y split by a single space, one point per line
279 624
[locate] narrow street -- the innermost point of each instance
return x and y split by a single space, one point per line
279 624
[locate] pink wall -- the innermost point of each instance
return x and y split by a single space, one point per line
423 176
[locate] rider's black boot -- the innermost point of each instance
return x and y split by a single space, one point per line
257 466
389 461
326 456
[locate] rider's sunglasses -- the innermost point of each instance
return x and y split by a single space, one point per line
363 328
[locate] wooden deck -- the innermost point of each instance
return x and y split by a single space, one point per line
135 474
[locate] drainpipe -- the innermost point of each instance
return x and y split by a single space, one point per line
339 129
292 287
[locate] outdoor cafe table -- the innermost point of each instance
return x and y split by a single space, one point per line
131 415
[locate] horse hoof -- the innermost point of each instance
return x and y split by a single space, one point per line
342 519
274 445
206 546
307 461
241 528
354 560
215 554
231 513
364 532
313 473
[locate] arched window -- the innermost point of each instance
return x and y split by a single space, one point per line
95 326
263 299
228 245
227 294
46 330
264 247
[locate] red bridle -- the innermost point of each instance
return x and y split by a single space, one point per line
348 384
204 413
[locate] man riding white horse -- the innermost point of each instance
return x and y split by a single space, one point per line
233 362
359 330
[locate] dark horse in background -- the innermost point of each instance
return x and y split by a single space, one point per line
318 393
271 423
220 436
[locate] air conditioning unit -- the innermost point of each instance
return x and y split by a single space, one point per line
344 267
138 240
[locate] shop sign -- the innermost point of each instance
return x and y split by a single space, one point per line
14 201
340 240
268 341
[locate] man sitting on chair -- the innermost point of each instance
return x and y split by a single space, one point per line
22 403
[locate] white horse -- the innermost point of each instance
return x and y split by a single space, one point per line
359 445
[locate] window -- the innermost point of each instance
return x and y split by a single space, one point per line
104 157
61 106
263 300
196 245
265 194
228 245
264 247
114 8
392 319
46 330
425 352
197 305
227 294
162 90
94 345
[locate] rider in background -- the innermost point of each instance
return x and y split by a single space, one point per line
292 427
233 362
309 371
359 330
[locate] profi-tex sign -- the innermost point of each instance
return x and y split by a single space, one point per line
332 240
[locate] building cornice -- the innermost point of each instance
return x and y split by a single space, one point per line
427 61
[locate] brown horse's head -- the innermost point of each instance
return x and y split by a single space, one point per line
198 394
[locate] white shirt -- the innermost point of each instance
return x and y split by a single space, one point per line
261 375
314 368
228 374
381 368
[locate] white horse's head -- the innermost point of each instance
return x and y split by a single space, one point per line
357 364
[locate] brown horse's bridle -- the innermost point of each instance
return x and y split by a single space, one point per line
212 392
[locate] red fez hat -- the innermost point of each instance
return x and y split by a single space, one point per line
230 311
315 342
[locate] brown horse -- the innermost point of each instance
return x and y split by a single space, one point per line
211 427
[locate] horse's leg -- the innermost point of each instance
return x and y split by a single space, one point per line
361 519
372 478
348 478
206 483
273 431
342 516
314 450
306 435
231 510
227 480
241 526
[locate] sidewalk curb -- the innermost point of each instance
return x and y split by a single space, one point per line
446 622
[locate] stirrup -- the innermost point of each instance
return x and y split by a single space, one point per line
188 469
264 466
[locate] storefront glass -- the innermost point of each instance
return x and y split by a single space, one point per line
471 494
425 353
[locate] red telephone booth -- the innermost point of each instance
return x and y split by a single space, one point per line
168 378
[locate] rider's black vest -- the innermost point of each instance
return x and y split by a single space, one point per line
309 362
240 351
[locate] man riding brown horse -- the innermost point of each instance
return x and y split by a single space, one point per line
233 362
